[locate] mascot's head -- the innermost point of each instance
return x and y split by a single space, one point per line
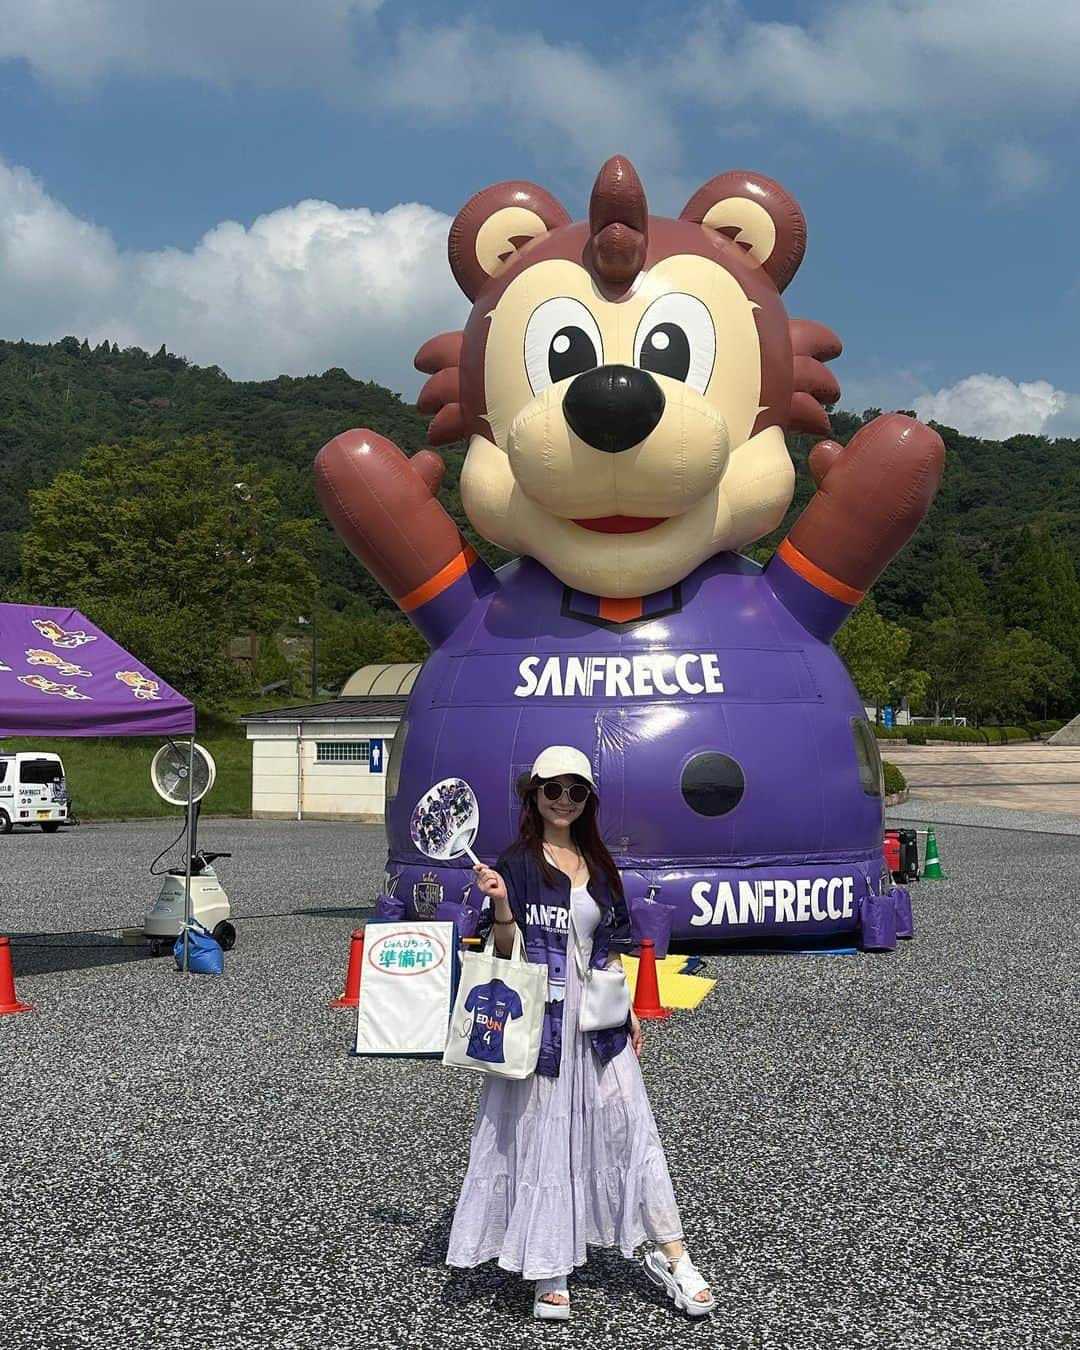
625 383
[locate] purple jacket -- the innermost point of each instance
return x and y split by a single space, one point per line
542 913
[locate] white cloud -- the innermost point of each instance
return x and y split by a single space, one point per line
917 58
556 97
1018 169
75 42
995 407
301 289
925 75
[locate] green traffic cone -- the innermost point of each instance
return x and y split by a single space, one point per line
932 870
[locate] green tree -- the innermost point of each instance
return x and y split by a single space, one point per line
346 644
951 650
402 642
875 652
958 588
175 533
1046 673
977 670
1039 591
1023 596
271 663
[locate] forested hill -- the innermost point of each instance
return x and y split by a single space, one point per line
57 399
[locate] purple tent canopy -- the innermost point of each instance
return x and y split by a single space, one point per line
62 676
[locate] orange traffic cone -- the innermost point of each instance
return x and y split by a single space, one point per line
647 990
8 1001
351 997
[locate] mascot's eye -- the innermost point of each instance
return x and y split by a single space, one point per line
676 338
561 341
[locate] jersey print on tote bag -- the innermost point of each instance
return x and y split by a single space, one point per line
491 1004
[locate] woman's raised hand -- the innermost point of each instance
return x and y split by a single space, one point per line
490 882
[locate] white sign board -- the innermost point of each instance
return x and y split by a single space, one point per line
405 986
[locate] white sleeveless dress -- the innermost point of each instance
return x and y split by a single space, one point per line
557 1164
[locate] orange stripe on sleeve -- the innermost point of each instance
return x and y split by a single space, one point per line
816 576
444 577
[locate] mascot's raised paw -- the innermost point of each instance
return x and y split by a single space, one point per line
872 495
383 504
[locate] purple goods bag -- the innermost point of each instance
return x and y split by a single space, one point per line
877 915
905 917
389 907
650 919
466 918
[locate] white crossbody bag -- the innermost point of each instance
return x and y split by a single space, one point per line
605 994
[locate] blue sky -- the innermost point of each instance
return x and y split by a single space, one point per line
267 186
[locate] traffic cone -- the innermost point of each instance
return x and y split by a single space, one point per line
351 997
932 870
8 1001
647 990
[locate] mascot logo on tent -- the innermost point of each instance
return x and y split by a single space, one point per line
48 686
140 685
60 637
36 657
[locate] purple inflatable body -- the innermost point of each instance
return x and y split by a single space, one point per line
735 765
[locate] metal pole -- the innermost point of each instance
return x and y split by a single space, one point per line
190 846
299 773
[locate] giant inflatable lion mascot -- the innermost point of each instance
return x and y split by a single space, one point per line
624 385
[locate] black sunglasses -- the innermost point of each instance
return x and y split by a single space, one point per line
578 793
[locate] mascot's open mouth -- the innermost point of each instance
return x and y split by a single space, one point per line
621 524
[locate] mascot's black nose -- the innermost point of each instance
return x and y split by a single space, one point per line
614 407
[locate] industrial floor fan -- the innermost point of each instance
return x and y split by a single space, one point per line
164 919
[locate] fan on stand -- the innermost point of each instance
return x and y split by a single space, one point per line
182 776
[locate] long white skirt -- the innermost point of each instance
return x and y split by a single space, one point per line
556 1164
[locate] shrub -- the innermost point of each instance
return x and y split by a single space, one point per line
894 779
1006 735
923 732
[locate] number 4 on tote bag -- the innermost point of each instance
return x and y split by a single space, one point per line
498 1014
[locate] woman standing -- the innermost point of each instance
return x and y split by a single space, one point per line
571 1155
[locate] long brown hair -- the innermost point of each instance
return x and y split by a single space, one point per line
583 832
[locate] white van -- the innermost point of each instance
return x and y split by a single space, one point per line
32 791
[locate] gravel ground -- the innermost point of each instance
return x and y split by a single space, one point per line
871 1151
917 810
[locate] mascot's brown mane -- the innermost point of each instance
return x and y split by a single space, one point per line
440 357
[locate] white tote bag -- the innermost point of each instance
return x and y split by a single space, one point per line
499 1012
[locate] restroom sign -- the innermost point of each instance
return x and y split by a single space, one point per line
375 756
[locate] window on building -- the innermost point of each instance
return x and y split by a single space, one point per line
342 752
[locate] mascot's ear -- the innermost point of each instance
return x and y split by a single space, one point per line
757 214
493 225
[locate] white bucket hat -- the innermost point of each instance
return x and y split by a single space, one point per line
557 759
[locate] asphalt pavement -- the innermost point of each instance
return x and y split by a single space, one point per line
869 1151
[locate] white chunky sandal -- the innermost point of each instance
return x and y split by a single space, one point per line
682 1280
552 1312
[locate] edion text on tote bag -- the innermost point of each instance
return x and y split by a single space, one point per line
499 1012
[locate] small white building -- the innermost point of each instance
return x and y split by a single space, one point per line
329 761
